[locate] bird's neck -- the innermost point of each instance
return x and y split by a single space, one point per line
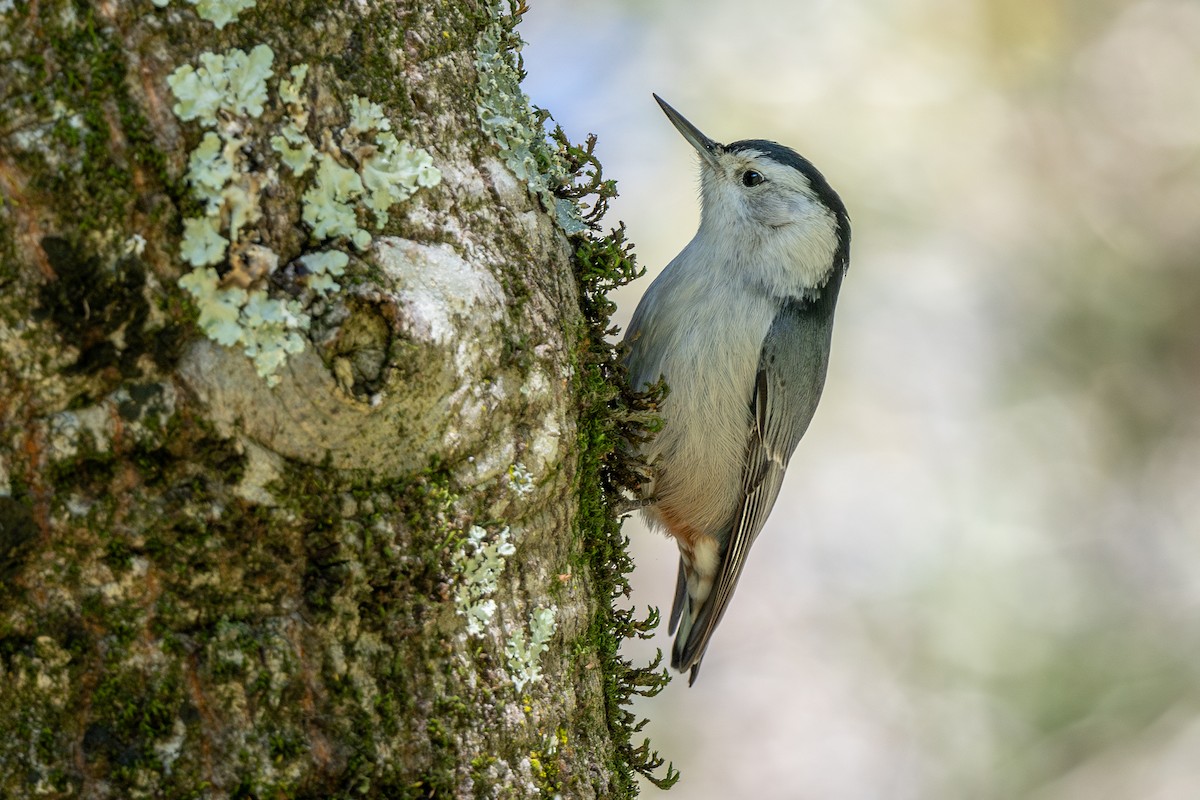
793 261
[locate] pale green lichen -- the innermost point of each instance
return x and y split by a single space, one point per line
225 87
328 206
293 145
219 308
270 332
295 150
217 175
219 12
226 92
524 655
289 89
323 267
266 328
389 171
210 168
366 116
507 116
240 204
478 564
202 243
520 479
233 82
135 245
394 172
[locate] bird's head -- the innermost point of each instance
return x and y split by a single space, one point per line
764 201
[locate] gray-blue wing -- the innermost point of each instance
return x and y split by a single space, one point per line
788 384
647 336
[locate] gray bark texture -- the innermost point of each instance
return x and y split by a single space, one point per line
308 429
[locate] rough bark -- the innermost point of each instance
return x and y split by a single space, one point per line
322 510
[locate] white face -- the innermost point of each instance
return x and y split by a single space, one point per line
768 219
761 218
760 191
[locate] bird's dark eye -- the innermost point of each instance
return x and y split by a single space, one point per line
752 178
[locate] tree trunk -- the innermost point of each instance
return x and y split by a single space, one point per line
310 434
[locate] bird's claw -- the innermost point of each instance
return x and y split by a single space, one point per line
626 507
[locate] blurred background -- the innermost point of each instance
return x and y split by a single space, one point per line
982 579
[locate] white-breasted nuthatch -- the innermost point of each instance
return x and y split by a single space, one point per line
739 325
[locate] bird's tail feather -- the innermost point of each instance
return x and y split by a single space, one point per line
680 599
690 640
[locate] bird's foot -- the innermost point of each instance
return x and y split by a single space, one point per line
626 507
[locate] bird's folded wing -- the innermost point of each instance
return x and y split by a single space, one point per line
788 383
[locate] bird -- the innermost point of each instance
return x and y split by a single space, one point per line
739 326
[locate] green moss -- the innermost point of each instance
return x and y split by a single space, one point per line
76 82
18 532
546 771
614 421
121 733
368 61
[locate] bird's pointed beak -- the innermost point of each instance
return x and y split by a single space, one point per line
706 147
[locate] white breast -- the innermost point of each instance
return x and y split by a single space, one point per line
704 337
